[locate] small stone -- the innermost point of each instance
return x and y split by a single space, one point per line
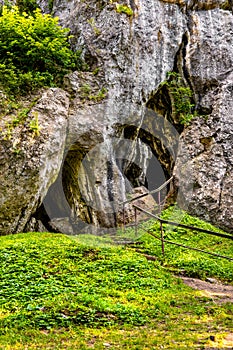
107 345
211 280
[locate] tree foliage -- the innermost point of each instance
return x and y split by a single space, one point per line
34 50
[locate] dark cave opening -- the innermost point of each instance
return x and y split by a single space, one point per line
159 166
151 180
65 198
155 178
161 162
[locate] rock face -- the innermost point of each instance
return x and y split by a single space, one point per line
118 120
208 63
106 157
27 174
210 145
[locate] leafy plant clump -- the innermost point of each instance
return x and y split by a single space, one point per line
181 98
34 51
124 9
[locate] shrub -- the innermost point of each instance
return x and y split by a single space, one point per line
34 51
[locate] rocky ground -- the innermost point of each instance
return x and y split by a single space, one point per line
219 292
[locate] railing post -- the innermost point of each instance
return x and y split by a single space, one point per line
136 221
162 237
124 217
159 202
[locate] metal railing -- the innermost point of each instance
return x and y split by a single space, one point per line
171 223
193 228
157 190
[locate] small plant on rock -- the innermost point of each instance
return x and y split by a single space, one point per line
124 9
181 98
34 125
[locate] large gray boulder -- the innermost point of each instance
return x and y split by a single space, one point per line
30 160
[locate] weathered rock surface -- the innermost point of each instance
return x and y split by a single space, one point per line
210 146
27 176
133 55
111 136
208 64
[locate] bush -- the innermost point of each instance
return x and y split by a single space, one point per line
34 51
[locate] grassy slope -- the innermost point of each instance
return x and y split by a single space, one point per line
191 262
58 293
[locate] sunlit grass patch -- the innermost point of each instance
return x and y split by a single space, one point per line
190 262
60 292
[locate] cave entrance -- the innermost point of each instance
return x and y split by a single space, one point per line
96 177
159 165
155 177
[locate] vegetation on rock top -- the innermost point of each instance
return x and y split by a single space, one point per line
124 9
34 51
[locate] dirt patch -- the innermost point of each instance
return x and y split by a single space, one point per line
221 293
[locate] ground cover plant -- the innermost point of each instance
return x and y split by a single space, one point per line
189 262
58 292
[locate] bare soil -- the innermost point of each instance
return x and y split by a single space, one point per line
219 292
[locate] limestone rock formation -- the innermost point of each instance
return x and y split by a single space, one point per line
131 57
210 144
27 174
208 64
93 150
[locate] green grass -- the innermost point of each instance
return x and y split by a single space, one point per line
186 261
58 292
